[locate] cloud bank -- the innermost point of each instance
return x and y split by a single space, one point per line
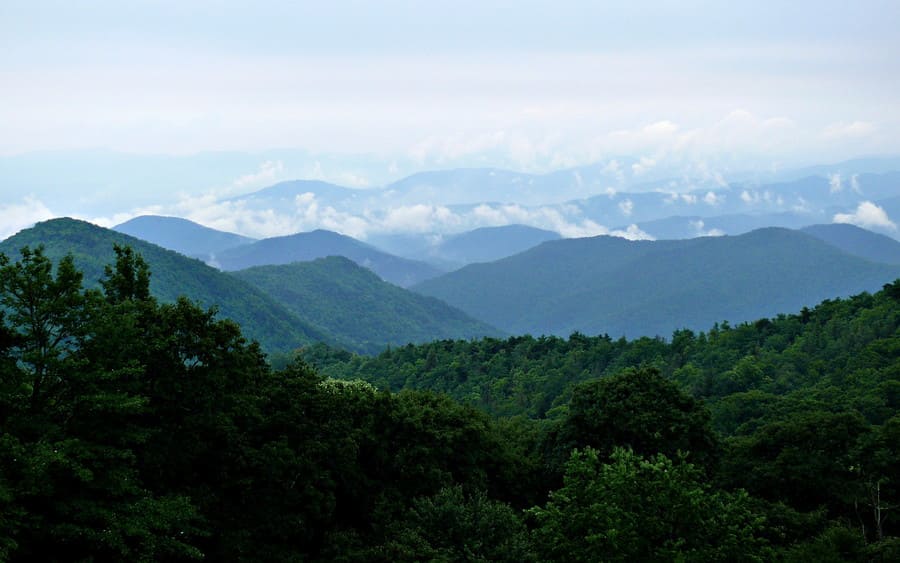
17 216
867 215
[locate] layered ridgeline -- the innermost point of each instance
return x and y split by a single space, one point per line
490 243
174 275
284 307
134 431
354 304
843 354
182 236
633 288
303 247
859 242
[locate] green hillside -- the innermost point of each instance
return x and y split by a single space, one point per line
634 288
137 431
357 307
174 275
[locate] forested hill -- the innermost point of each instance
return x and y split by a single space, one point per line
174 275
132 430
304 247
358 308
849 346
634 288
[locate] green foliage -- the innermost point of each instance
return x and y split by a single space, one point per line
455 526
137 429
807 403
641 410
644 509
92 249
807 461
71 431
356 308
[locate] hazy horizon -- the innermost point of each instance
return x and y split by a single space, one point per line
110 111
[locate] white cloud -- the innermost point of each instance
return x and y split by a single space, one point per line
675 197
854 130
119 218
343 178
419 218
711 198
699 227
802 206
626 207
562 219
854 184
268 171
835 184
632 232
642 166
867 214
17 216
613 168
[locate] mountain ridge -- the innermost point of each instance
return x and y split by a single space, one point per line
636 288
172 275
348 300
302 247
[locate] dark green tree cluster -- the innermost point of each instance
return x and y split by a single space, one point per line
131 430
804 409
134 430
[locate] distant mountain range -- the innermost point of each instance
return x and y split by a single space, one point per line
283 307
591 199
858 242
593 285
181 235
303 247
355 306
173 275
379 198
415 259
491 243
635 288
479 245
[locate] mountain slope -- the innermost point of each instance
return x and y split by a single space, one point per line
173 275
491 243
633 288
356 306
858 242
303 247
181 235
286 194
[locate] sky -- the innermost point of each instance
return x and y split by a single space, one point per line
379 89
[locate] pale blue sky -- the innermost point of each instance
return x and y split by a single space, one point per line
538 84
362 93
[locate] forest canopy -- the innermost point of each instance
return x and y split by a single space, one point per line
135 430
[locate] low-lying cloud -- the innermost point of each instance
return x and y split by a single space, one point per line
867 215
268 172
17 216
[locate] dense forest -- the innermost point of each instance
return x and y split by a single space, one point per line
359 310
137 430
